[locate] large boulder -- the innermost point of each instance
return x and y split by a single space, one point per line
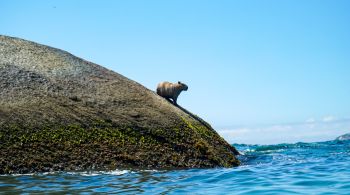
60 112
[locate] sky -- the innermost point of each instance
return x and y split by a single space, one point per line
260 72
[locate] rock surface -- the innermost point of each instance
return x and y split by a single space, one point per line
60 112
343 137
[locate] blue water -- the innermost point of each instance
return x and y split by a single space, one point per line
302 168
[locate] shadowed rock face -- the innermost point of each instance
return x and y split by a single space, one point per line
60 112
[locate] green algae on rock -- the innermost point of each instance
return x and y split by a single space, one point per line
60 112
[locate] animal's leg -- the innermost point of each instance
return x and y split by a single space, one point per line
168 99
175 101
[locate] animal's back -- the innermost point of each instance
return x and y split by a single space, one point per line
164 89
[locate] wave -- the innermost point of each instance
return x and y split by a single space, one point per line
284 146
291 153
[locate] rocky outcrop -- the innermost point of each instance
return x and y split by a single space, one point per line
60 112
344 137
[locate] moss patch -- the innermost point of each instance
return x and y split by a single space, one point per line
103 146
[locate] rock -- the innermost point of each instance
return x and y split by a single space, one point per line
343 137
59 112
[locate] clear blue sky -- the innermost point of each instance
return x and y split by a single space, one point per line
248 64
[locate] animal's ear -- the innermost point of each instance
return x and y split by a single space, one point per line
178 82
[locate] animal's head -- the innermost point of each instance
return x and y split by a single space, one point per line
183 86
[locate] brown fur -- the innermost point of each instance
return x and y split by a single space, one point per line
171 90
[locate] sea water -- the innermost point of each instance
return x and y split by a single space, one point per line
301 168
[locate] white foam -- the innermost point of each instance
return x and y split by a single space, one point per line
84 173
95 173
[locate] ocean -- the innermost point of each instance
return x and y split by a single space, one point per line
301 168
